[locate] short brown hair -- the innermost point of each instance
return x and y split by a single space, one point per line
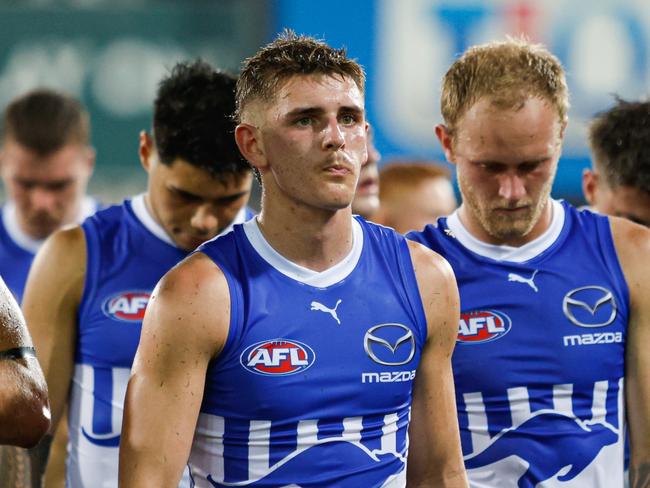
398 175
507 72
620 142
287 56
45 120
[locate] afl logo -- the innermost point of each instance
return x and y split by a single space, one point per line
277 357
126 306
482 326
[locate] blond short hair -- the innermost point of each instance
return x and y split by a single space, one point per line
507 72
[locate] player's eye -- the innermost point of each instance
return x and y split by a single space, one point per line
529 167
183 195
349 119
492 168
304 121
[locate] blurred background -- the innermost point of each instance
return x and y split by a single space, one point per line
111 54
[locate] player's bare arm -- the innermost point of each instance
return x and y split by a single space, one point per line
50 304
52 295
24 409
633 248
435 457
185 326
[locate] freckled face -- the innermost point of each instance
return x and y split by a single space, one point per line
314 140
506 162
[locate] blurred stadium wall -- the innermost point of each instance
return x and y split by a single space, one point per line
111 54
407 45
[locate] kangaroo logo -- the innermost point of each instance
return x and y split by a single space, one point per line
386 465
322 308
521 279
576 448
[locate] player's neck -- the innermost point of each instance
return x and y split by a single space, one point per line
313 238
476 229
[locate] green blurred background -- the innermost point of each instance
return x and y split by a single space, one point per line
111 55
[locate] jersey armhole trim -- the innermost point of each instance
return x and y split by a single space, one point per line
236 304
93 264
611 258
413 296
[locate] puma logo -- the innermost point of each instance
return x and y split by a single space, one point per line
322 308
521 279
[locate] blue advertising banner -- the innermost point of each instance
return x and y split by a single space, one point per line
407 45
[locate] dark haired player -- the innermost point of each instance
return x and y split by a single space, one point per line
261 359
89 287
45 163
619 183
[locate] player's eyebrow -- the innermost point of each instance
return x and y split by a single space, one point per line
315 111
539 160
305 111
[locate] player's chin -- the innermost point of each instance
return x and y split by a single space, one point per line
191 243
41 230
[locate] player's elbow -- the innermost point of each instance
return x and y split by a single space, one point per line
34 430
24 408
27 420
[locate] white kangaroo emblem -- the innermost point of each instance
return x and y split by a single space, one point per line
322 308
521 279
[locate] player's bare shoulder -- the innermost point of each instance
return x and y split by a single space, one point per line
431 269
58 271
67 244
632 242
630 238
194 294
438 291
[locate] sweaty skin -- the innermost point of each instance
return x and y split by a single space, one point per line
308 145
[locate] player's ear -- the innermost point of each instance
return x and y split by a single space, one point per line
249 142
145 149
90 156
589 185
446 139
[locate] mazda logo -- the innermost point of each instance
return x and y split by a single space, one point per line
389 344
588 306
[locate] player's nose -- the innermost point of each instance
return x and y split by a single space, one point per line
334 138
511 187
204 220
42 199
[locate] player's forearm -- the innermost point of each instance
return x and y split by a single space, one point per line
155 439
450 476
145 466
24 408
640 475
38 456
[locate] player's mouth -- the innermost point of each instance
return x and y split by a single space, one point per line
339 169
512 209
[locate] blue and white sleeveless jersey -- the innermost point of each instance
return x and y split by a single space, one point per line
539 360
313 387
127 253
17 250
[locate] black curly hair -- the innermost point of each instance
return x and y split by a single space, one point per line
193 119
620 142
